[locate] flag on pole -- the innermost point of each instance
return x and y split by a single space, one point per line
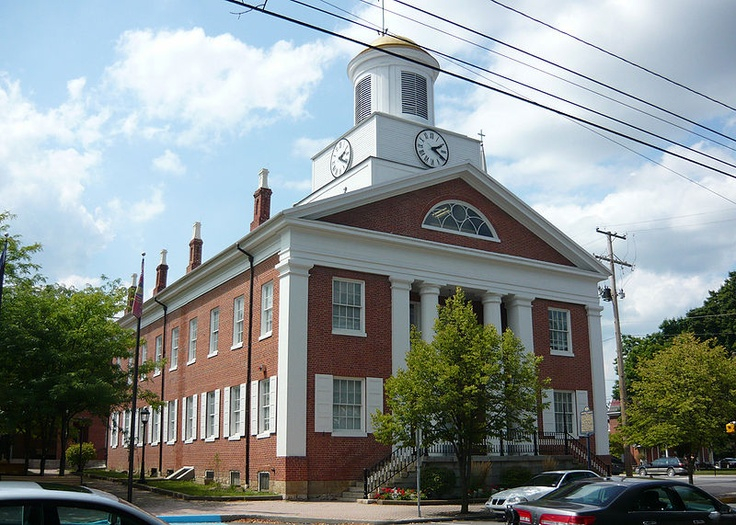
138 299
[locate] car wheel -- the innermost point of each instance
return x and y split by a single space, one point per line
671 472
642 472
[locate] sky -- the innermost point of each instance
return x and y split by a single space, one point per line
123 123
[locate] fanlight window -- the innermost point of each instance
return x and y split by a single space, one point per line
459 218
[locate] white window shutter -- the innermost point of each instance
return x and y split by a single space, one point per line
165 422
243 392
254 408
203 416
581 399
113 432
183 418
176 420
217 413
194 417
548 414
226 412
272 406
373 400
322 403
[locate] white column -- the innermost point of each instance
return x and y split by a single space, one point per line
291 436
400 289
492 310
597 370
429 299
519 313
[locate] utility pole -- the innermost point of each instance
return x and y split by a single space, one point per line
612 261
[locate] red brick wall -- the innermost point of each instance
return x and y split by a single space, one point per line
404 214
227 368
340 458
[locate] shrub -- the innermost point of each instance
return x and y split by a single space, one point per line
437 482
72 455
515 476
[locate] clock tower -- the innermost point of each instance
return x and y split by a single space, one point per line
394 133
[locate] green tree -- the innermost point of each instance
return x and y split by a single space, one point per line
682 397
59 354
468 384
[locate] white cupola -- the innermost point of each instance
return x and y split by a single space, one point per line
394 76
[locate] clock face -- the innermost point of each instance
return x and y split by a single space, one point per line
342 155
432 148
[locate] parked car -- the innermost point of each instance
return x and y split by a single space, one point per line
625 501
671 466
536 487
727 463
29 503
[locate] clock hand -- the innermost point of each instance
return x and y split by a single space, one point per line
436 150
342 156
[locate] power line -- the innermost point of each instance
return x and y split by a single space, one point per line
480 84
554 64
614 55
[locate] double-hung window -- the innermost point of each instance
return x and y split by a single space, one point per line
155 426
174 357
159 354
344 405
214 331
210 418
233 426
564 411
171 414
238 321
267 309
560 342
189 419
348 307
192 357
263 407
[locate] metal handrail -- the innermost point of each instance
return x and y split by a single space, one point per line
387 468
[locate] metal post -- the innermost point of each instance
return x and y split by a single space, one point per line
145 414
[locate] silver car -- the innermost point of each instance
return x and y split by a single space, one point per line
538 486
670 466
30 503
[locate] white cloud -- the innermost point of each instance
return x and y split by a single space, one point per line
307 147
214 84
169 162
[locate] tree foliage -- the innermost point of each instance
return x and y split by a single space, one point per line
682 396
60 350
467 385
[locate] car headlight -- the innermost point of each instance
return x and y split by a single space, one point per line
513 500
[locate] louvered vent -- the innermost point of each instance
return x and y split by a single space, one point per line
363 99
413 94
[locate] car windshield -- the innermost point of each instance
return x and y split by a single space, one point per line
545 480
598 494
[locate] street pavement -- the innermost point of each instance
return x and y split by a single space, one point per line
287 511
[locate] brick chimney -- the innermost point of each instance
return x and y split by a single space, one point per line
162 271
131 293
262 201
195 248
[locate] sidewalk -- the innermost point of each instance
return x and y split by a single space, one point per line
277 510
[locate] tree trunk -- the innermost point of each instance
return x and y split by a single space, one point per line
462 461
64 439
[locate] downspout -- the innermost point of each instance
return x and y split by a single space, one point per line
248 367
163 382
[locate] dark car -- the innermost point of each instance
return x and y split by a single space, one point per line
29 503
623 502
670 466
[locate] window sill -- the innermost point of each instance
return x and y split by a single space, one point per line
173 442
264 435
349 433
173 368
353 333
211 355
235 437
561 354
237 346
265 336
191 362
210 439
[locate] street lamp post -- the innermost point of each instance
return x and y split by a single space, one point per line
145 414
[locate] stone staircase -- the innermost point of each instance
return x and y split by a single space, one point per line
406 479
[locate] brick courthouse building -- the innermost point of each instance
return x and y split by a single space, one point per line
276 350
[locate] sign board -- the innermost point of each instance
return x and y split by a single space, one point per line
587 426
